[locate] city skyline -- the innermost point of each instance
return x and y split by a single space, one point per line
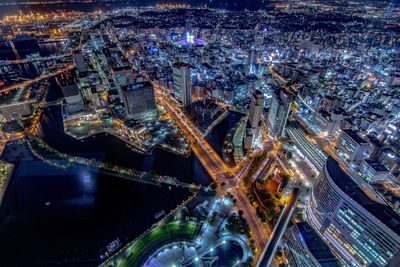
187 133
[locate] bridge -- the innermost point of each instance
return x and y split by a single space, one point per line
34 59
37 79
55 158
269 251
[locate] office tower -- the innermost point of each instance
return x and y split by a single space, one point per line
360 231
182 83
373 171
278 112
79 60
351 146
256 108
139 100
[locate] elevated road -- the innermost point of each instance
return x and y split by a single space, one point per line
28 60
269 252
37 79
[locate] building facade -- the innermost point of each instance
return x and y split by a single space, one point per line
360 231
139 100
255 113
182 83
351 146
302 246
278 112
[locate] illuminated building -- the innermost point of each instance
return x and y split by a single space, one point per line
390 160
17 104
328 122
256 108
360 231
15 111
139 100
373 171
352 146
330 103
182 83
250 62
303 247
279 112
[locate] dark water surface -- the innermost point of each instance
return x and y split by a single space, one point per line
54 217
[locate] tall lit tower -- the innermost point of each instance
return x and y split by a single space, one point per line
182 83
256 108
279 112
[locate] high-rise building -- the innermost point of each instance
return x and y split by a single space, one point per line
360 231
304 247
279 111
79 60
139 100
256 108
182 83
250 62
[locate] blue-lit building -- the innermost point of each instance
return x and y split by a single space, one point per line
360 231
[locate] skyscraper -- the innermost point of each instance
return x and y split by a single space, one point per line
139 100
256 108
182 83
279 112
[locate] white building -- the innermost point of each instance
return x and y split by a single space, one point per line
182 83
278 112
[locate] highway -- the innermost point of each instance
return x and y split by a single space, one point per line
217 168
269 252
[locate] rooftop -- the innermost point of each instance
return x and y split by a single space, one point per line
180 65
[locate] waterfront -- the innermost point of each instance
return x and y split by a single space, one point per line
51 216
68 216
107 5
